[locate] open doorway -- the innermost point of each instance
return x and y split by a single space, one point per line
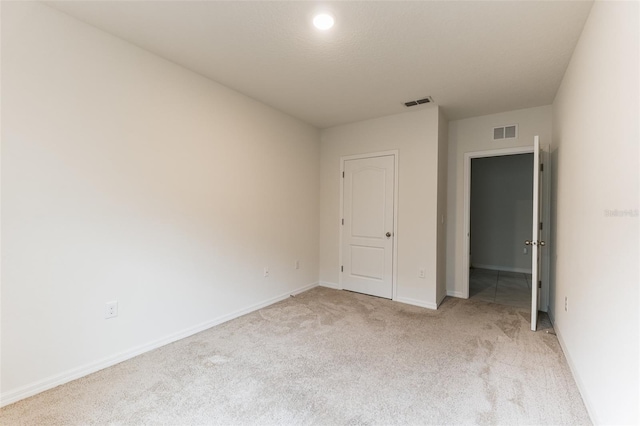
537 242
500 220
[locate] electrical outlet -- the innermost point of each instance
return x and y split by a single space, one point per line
422 273
111 309
296 265
266 272
566 304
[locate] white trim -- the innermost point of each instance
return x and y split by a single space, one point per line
284 296
468 156
395 153
502 268
439 302
456 294
535 235
26 391
581 387
330 285
416 302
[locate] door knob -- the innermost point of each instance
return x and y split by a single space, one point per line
527 243
542 243
388 234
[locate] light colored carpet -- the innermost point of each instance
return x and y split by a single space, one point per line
331 357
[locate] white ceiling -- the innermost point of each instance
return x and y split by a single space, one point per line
473 58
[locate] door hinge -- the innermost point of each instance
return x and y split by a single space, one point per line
541 226
343 174
539 284
343 221
541 167
342 269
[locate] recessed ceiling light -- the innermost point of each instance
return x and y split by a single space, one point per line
323 21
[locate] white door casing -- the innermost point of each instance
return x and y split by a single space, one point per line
536 242
467 205
539 257
368 231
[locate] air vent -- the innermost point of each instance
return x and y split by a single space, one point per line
426 100
505 132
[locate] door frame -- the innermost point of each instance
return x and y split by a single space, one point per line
394 153
545 215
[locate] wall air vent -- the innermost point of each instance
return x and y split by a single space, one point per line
505 132
426 100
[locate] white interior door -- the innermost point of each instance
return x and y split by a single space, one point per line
536 242
367 235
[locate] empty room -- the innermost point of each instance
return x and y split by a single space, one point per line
298 212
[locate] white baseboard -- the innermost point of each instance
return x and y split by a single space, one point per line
441 299
576 377
502 268
329 285
23 392
295 293
455 293
416 302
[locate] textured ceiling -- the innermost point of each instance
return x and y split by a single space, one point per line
473 58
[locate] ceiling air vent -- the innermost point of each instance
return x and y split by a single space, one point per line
426 100
505 132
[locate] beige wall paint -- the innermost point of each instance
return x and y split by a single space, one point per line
596 154
128 178
441 218
415 135
475 134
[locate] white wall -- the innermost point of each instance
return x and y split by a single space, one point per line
501 212
128 178
415 135
475 134
596 148
441 217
